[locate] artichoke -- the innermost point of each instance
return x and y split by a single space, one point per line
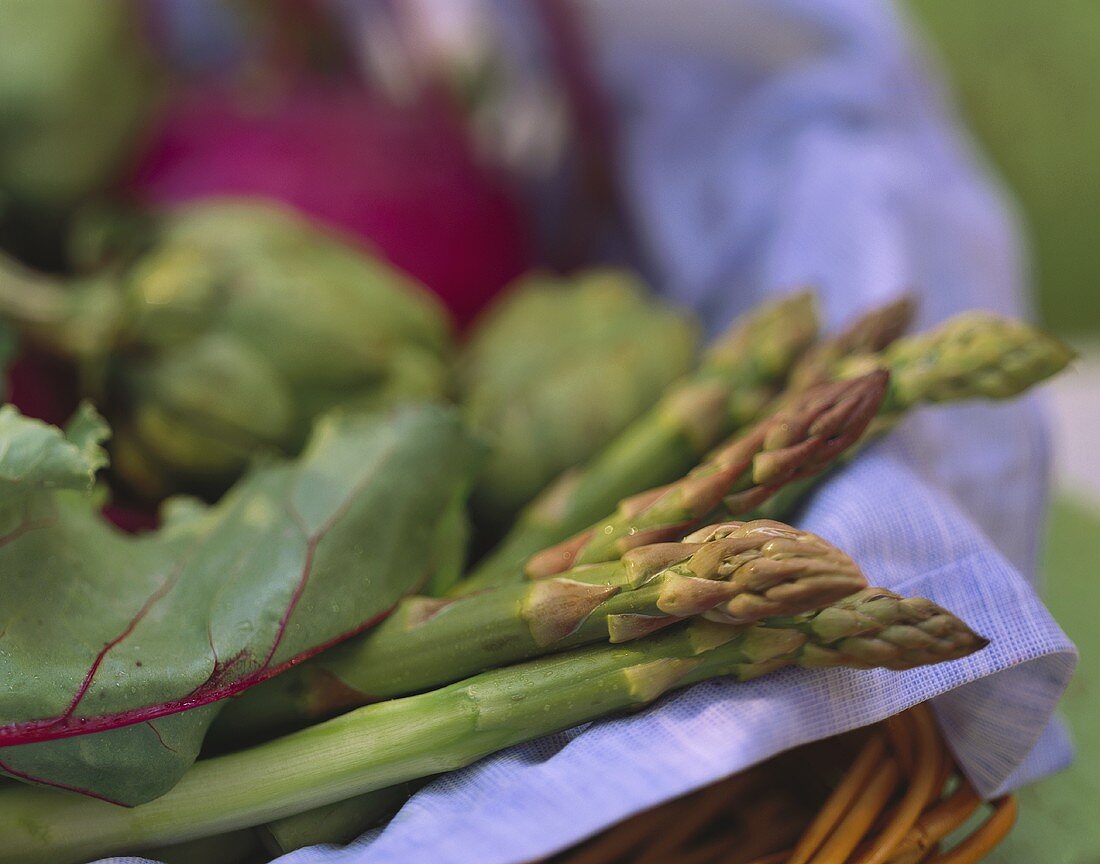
556 369
76 90
232 327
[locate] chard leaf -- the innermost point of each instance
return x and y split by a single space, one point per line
110 642
35 456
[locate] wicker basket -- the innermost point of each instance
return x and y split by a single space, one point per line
885 795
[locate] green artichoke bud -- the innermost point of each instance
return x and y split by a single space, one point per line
558 368
234 326
207 407
76 89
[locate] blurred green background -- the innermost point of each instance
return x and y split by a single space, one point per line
1026 74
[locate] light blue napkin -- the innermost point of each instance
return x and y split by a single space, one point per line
767 145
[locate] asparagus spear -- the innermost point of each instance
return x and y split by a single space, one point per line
800 440
392 742
735 572
236 847
971 356
868 334
339 822
739 374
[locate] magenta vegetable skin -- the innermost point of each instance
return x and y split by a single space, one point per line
402 177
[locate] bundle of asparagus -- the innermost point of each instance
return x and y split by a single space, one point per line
650 598
972 356
975 355
395 741
737 573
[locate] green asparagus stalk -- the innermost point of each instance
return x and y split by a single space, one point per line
802 439
735 572
339 822
740 373
236 847
392 742
975 355
450 546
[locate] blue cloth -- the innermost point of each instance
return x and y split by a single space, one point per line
765 145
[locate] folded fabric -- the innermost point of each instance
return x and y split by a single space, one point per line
763 145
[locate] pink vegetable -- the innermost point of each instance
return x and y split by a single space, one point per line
401 177
42 386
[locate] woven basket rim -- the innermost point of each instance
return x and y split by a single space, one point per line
898 797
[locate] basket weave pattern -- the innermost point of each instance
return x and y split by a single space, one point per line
886 795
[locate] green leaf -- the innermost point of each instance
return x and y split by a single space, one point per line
35 456
120 635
